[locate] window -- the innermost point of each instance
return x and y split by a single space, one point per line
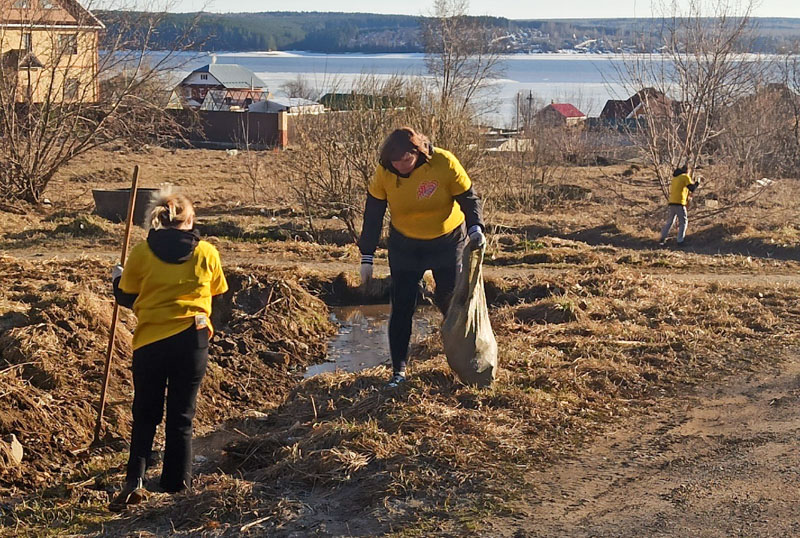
68 43
27 43
22 4
71 89
48 4
203 77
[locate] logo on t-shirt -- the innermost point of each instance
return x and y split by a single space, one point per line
426 189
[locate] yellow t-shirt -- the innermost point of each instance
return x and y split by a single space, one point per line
171 294
422 205
678 190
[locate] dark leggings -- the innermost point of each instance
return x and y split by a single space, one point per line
176 365
405 287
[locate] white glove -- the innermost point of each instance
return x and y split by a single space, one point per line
116 272
476 238
366 268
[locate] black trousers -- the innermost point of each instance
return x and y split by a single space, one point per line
175 365
405 288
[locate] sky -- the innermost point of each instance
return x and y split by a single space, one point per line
512 9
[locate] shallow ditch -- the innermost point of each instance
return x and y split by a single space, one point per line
362 339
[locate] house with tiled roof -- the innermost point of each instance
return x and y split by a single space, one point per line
228 83
559 114
51 48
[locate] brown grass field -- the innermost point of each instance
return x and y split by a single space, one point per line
642 391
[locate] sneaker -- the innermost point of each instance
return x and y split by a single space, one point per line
397 378
132 493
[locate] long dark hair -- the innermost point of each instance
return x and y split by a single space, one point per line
401 141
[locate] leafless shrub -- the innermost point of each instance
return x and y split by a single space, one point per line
59 97
337 151
685 87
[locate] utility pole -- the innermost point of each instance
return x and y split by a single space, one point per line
530 107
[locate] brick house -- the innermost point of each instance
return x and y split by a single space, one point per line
558 115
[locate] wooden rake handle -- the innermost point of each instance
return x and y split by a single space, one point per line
115 313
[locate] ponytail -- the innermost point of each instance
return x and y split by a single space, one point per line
169 210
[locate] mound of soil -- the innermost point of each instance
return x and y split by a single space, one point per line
53 338
548 311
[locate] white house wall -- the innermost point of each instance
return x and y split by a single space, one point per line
194 80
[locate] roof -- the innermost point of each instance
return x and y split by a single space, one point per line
232 75
622 108
71 14
17 58
567 110
293 101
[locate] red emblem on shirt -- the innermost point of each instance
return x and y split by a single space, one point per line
426 189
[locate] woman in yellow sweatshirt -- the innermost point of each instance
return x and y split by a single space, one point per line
434 214
168 281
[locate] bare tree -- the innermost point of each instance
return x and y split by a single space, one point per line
682 89
462 54
759 136
300 87
339 150
68 88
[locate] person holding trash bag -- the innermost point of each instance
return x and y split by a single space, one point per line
681 186
434 214
168 281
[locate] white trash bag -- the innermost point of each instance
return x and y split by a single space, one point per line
467 335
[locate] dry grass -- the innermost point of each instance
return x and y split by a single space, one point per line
638 339
55 330
595 336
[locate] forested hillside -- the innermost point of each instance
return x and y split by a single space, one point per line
364 32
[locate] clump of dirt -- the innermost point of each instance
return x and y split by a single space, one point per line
346 289
548 311
51 365
85 226
545 250
501 292
269 329
221 228
52 353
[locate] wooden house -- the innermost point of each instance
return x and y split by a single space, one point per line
50 48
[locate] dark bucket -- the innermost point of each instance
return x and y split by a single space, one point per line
112 204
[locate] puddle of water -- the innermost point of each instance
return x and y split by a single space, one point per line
363 338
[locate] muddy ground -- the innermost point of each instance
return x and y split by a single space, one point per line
644 390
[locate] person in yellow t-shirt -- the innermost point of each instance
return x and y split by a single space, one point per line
680 188
434 214
168 281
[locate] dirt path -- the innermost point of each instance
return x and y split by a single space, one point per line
725 462
761 277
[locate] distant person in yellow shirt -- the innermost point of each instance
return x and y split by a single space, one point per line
434 214
680 188
168 280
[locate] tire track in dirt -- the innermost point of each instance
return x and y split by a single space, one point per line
722 462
